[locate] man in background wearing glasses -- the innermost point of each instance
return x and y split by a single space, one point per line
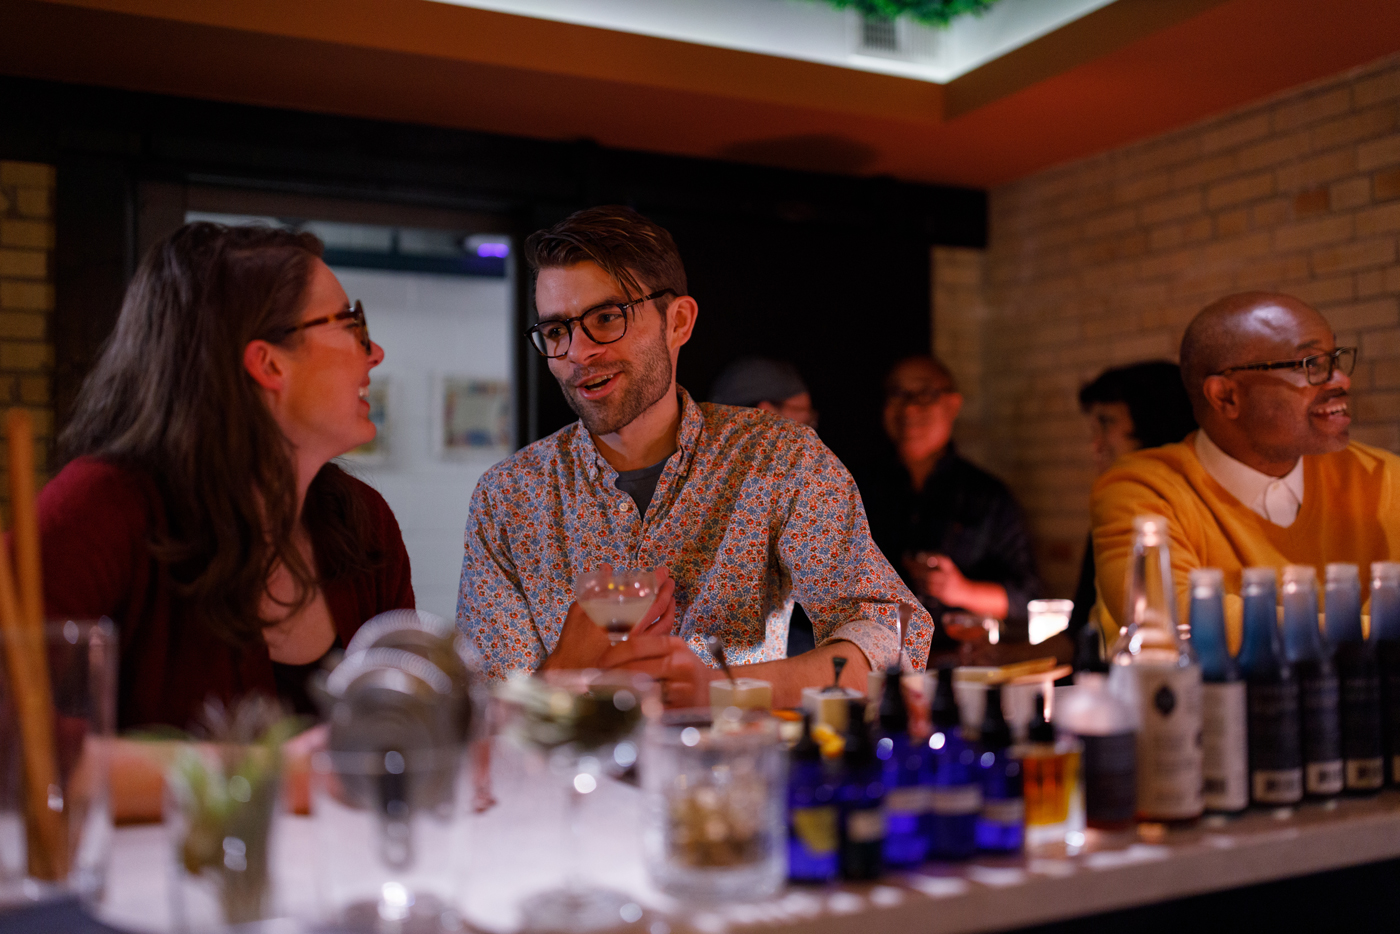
1272 477
747 511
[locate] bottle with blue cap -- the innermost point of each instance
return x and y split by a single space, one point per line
1323 774
1271 691
1359 677
1224 749
1385 630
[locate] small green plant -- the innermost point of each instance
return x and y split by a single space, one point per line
929 12
227 790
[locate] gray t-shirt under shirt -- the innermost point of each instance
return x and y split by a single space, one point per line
641 484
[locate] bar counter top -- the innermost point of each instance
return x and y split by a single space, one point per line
518 847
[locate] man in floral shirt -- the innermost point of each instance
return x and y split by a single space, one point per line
744 511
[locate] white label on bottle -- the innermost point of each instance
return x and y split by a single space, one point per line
1008 813
1169 741
1224 747
865 826
1325 778
1365 774
955 800
1282 787
912 799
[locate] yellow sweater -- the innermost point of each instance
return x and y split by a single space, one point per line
1350 512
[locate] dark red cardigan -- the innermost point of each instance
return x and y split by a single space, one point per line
95 519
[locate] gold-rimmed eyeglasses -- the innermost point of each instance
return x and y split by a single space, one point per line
355 314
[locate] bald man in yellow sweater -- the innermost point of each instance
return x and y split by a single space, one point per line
1272 477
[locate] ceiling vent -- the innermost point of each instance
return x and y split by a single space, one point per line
899 38
879 34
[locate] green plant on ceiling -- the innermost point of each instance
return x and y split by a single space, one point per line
929 12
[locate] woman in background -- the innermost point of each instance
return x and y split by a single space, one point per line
1130 408
201 510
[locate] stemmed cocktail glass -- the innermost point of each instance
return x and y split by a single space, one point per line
616 601
583 723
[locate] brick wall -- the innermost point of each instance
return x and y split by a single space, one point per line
26 301
1103 262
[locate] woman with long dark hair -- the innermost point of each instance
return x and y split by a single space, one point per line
200 509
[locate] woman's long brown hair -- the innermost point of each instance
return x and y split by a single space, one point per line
170 397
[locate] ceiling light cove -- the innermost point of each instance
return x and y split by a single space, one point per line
814 32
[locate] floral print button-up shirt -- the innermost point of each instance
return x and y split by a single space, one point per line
750 514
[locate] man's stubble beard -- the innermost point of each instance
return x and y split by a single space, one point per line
649 380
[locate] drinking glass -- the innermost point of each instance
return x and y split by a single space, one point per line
970 629
1048 618
82 674
716 795
616 601
581 722
221 805
387 827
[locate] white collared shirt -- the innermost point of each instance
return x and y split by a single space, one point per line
1277 499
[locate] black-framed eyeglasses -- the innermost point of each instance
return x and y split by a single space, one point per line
914 396
603 324
1316 367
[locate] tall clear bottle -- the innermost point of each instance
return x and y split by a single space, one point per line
1321 700
1360 678
1385 631
1156 673
1271 688
1224 746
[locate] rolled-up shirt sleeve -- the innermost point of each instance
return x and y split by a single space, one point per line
843 581
491 604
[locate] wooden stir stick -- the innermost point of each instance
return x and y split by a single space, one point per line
22 618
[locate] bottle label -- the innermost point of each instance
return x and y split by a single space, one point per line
816 829
1361 719
1324 778
1392 715
1365 774
909 799
1009 812
1275 742
1322 734
1110 778
956 800
1282 787
865 826
1169 742
1224 751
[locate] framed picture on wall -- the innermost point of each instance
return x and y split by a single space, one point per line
472 416
376 451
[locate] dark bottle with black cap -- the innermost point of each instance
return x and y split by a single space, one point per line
955 787
862 798
813 838
1001 827
906 795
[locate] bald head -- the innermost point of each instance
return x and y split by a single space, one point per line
1265 418
1235 330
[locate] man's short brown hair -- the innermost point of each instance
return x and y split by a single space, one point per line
624 244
